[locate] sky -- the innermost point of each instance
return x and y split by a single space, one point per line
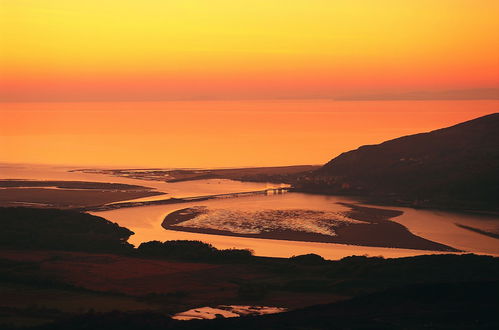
215 133
196 83
150 50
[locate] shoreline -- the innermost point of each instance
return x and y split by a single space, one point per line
174 200
271 174
376 231
64 194
380 201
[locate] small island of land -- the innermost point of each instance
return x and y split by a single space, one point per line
360 225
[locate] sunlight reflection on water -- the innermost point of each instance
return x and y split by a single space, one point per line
145 222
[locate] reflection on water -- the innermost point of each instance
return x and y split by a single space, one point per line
441 226
176 189
224 311
438 226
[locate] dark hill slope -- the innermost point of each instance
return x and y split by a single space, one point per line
465 305
53 229
454 167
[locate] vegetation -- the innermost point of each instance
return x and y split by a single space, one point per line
454 167
467 305
28 228
192 251
308 259
82 290
451 290
53 229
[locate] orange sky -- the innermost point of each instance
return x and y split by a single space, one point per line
59 50
236 83
214 133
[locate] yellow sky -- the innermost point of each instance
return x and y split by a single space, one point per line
159 49
64 63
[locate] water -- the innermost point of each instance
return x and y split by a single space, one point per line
440 226
145 222
176 189
225 311
437 226
215 133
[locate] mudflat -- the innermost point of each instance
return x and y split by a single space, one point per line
359 225
67 194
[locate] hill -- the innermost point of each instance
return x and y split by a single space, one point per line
31 228
453 167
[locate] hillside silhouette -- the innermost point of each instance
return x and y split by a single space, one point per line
453 167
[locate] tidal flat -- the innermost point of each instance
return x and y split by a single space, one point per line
67 194
359 225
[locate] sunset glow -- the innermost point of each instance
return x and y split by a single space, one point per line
199 164
215 133
162 50
236 83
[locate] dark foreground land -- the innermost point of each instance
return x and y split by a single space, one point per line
375 229
55 282
469 305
